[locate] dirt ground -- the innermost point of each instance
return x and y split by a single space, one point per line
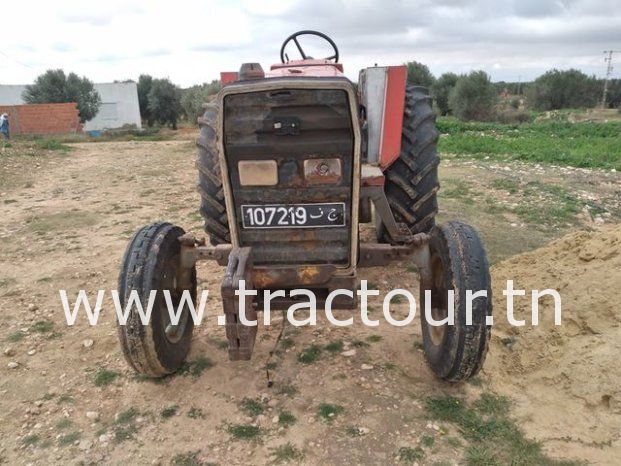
68 397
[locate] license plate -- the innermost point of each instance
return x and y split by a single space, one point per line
293 215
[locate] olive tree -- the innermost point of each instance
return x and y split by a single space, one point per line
54 86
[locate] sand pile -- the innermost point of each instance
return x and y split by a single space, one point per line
566 380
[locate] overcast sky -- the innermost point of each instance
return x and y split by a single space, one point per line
192 41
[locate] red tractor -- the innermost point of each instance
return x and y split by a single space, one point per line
290 163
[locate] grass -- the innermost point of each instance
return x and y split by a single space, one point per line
286 453
309 355
328 411
427 441
584 144
69 439
287 389
409 455
196 368
51 144
244 431
374 338
64 424
186 459
169 412
334 346
196 413
29 440
286 419
252 407
125 425
15 336
494 438
104 377
42 326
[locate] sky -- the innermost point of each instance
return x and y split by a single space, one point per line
190 42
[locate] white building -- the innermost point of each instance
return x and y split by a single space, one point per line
119 104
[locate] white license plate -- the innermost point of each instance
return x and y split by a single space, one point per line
293 215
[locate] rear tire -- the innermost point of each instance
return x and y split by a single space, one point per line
213 208
458 262
152 262
412 180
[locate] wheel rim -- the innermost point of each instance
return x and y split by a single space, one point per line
173 333
439 304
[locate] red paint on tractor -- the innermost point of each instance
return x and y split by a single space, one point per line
227 77
390 144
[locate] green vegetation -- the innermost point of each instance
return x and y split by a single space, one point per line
328 411
494 438
54 86
42 326
473 97
584 144
186 459
286 419
69 439
286 453
104 377
195 413
243 431
30 440
334 346
309 355
374 338
408 455
125 425
287 389
252 407
51 144
64 423
169 412
15 336
195 368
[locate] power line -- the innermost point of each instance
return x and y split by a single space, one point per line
609 68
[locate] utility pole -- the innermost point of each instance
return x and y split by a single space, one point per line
609 68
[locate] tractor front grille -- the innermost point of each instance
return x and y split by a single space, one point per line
289 126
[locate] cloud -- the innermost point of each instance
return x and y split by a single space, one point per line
192 42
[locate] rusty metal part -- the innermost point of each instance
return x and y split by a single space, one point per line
246 132
193 250
241 337
302 275
399 232
377 254
251 71
320 292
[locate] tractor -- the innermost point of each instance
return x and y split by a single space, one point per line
290 163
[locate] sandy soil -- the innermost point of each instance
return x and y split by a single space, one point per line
65 223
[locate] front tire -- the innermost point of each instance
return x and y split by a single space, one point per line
152 262
459 263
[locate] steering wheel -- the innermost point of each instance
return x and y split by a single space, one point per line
294 38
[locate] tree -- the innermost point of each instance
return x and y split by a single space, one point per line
419 74
473 97
441 90
193 98
164 102
54 86
144 86
557 89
